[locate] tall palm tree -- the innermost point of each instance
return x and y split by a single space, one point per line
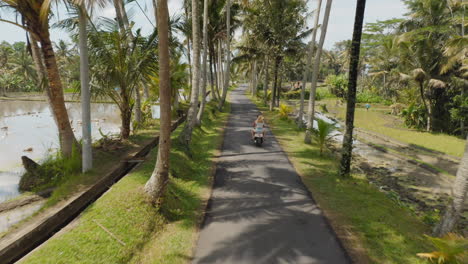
36 16
315 73
309 63
266 80
228 55
346 151
156 185
204 63
186 134
459 192
124 26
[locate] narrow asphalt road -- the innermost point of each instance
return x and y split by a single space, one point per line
260 212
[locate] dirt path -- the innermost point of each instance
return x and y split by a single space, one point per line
260 212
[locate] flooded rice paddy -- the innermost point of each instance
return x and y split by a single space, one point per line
27 128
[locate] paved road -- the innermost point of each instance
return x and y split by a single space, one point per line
260 211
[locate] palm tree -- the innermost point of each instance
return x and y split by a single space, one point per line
119 66
156 185
265 83
186 134
323 134
35 14
204 63
315 72
346 151
459 192
309 63
124 26
228 54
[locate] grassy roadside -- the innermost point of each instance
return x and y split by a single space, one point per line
146 235
67 183
374 228
377 120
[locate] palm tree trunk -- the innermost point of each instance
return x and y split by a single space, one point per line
156 185
119 12
155 9
87 155
346 153
265 84
214 80
462 122
280 83
125 116
228 54
275 84
67 138
220 68
146 95
186 135
212 77
315 73
254 77
137 105
426 105
459 192
204 63
38 63
124 25
300 121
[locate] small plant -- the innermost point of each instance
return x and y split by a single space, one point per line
451 249
284 111
323 134
432 217
324 108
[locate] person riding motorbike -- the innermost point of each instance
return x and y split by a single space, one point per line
259 126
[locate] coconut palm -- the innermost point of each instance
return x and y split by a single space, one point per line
346 152
124 26
323 133
186 134
204 63
119 66
315 72
459 192
309 63
156 185
228 55
36 16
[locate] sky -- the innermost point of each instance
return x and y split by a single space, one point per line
340 26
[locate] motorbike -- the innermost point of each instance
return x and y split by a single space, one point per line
258 139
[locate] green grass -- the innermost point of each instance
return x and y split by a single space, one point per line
388 232
103 160
150 235
377 120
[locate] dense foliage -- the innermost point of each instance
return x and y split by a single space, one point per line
419 61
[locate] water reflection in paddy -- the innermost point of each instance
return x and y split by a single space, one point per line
28 128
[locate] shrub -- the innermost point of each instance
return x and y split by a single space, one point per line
51 171
323 93
295 94
284 111
338 85
415 116
368 97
